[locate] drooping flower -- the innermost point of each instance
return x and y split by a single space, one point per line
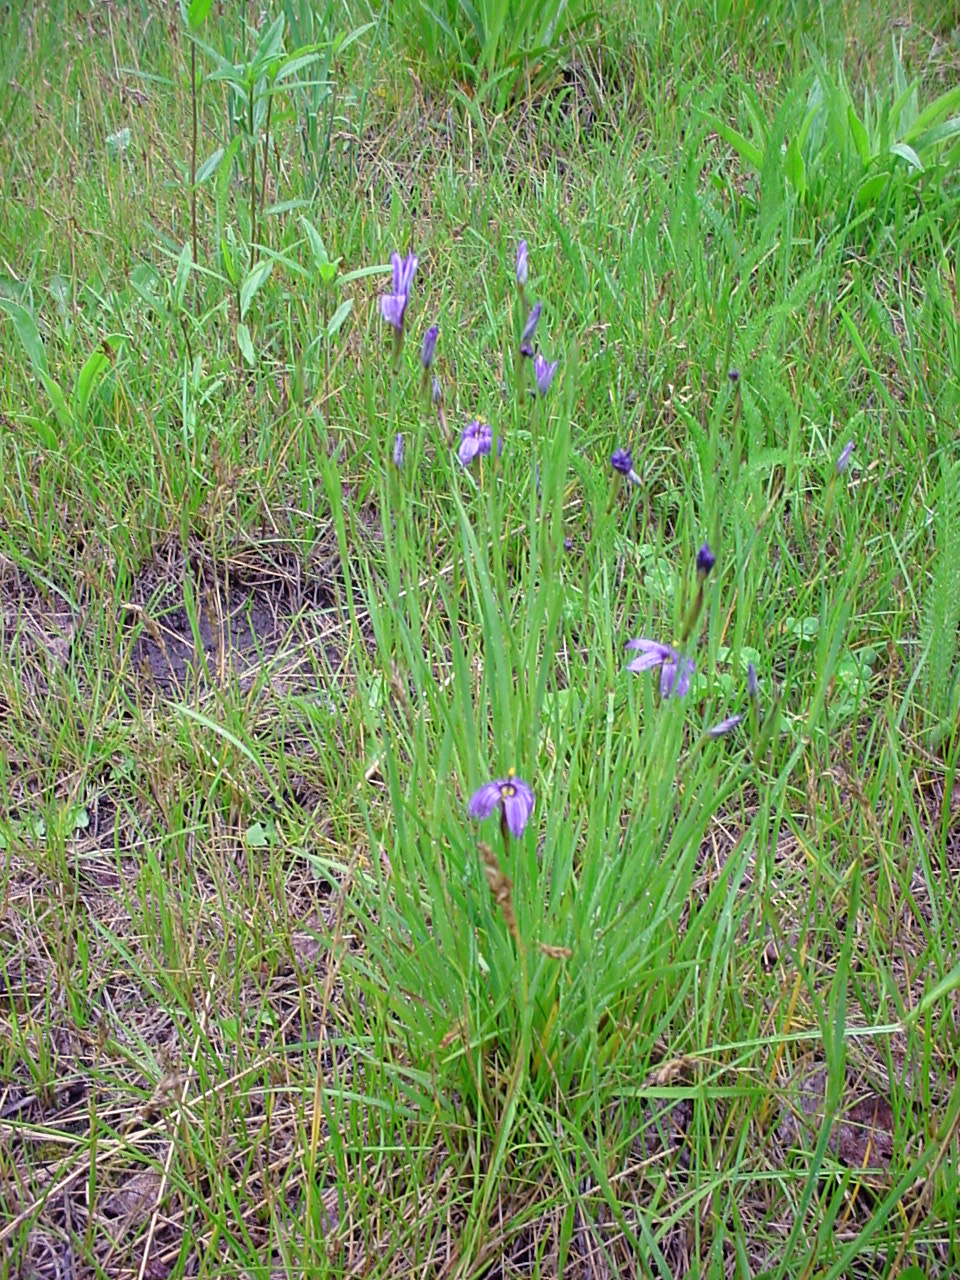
429 346
523 270
705 560
398 451
622 461
394 304
734 376
477 438
529 329
510 794
675 672
845 455
724 727
543 372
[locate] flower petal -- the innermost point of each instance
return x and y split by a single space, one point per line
517 805
392 307
484 800
532 320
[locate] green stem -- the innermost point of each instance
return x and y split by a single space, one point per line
253 182
266 156
193 150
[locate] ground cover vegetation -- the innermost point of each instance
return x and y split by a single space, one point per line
479 601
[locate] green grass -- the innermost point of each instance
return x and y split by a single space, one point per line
270 1002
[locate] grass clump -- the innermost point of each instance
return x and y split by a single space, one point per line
368 903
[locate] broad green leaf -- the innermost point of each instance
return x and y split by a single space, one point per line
745 149
906 152
197 12
48 437
209 166
859 135
933 112
252 284
338 317
796 169
245 343
871 187
317 247
184 265
93 368
57 399
27 332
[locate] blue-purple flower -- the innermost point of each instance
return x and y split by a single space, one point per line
705 560
398 451
543 372
429 346
529 329
512 795
477 439
622 461
675 672
394 304
523 270
845 455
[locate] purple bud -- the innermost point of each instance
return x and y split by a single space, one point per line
734 376
705 560
437 392
543 372
398 451
844 460
753 688
622 460
529 329
429 346
523 271
724 727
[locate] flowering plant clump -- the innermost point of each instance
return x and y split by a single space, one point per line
511 795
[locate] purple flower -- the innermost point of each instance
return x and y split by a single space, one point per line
523 271
675 672
724 727
529 329
398 451
436 394
544 371
705 560
846 454
429 346
393 305
753 688
512 795
477 438
734 376
622 461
